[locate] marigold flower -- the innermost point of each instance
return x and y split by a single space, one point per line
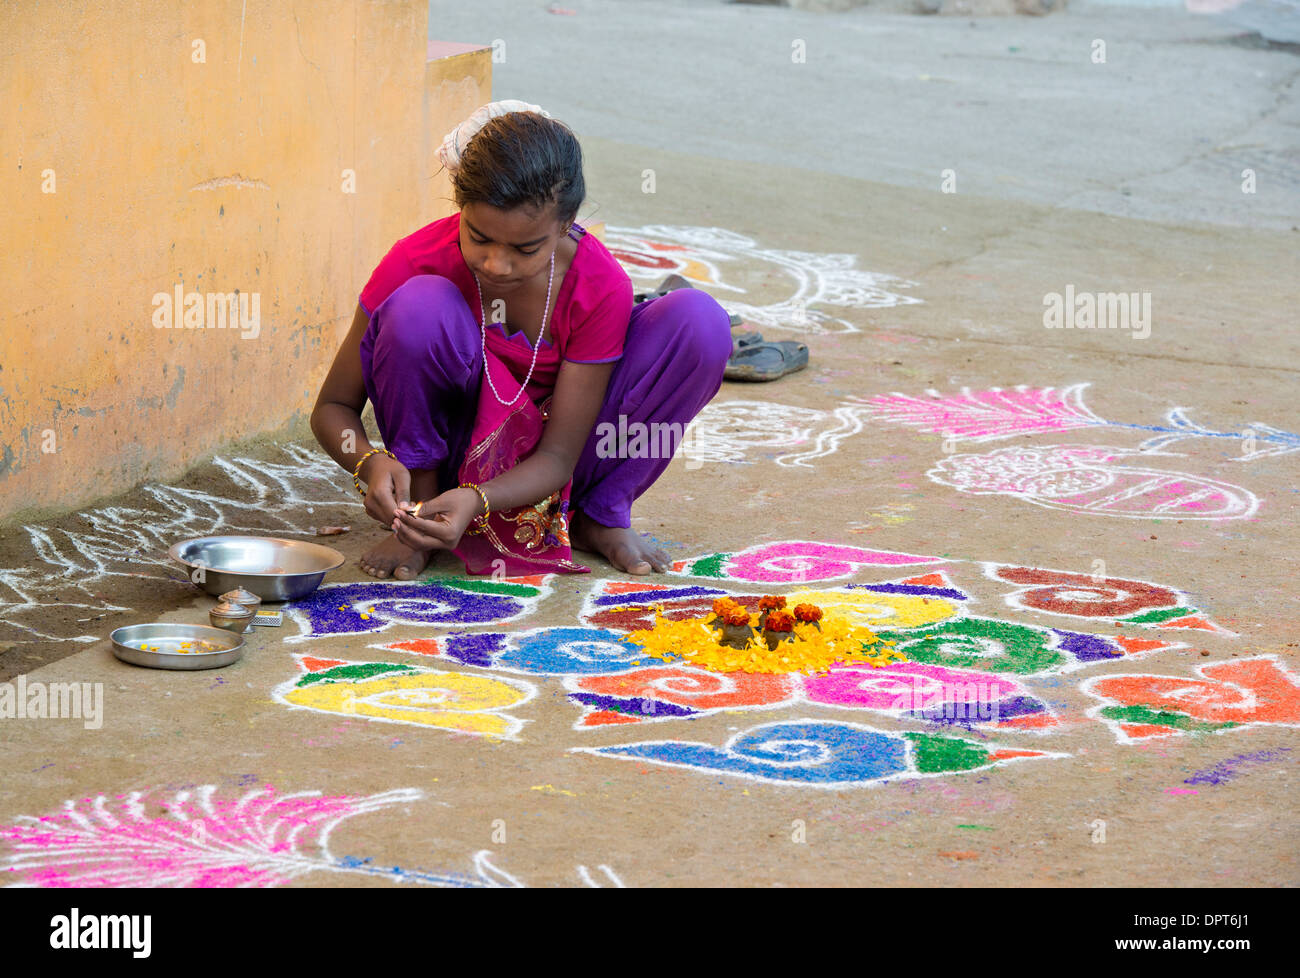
807 650
807 612
723 605
780 621
736 616
770 602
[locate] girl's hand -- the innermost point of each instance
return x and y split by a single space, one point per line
388 486
441 522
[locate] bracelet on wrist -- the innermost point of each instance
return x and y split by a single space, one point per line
479 523
356 472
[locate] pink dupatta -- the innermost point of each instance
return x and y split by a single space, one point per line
530 539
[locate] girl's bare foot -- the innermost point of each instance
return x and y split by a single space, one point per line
392 558
624 548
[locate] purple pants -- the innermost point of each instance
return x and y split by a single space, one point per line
422 360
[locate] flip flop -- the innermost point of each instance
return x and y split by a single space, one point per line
673 282
747 338
761 362
670 283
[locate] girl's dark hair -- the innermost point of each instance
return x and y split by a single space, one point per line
522 159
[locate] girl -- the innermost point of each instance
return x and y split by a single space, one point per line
495 345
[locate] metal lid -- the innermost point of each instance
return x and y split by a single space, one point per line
228 609
241 596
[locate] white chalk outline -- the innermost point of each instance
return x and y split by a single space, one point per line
514 724
820 278
909 757
1116 726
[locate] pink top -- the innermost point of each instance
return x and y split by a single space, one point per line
591 313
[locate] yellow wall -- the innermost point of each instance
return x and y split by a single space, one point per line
216 176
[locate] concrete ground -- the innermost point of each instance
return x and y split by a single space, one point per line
1094 529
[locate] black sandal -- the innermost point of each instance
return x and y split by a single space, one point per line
760 362
740 341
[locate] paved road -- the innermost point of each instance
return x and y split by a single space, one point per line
1015 106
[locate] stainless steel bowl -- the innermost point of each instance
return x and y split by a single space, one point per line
156 645
273 569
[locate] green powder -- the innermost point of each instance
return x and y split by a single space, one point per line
710 566
481 586
363 670
1160 718
990 645
1160 614
935 754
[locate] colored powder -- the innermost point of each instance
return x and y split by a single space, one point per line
632 706
653 596
1160 718
919 589
1160 614
810 650
482 586
987 644
1226 770
710 566
475 648
363 671
935 754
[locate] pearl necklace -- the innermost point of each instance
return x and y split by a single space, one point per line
536 346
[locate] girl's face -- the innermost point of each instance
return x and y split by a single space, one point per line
508 249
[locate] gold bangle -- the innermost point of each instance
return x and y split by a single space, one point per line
356 472
479 523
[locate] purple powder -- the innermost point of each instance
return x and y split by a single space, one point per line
654 597
632 706
475 648
1227 770
1088 648
920 589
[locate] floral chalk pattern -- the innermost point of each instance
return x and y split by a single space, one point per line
796 562
469 703
197 838
1096 596
962 671
672 692
816 282
820 754
1080 478
953 697
194 838
1228 695
997 645
358 609
1085 479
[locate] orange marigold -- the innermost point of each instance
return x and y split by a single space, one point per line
807 612
770 602
736 616
780 621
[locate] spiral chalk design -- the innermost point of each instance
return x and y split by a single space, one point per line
800 752
565 651
800 560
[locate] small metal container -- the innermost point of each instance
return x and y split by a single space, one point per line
232 617
160 645
242 596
